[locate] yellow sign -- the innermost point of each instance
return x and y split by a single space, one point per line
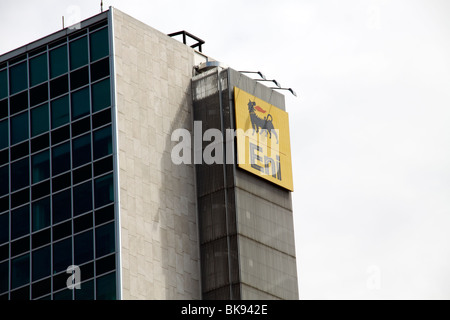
263 141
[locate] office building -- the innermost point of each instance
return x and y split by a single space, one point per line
87 177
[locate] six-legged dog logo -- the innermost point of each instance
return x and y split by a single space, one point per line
261 125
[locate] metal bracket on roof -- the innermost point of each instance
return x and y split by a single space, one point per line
186 34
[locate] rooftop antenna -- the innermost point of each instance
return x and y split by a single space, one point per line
101 5
63 22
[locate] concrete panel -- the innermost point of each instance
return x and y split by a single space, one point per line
160 258
267 270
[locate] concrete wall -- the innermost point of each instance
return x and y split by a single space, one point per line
264 222
158 217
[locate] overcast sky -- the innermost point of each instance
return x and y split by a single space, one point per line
370 130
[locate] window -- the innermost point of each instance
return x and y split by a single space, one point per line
63 295
41 214
4 180
41 238
102 142
4 228
78 53
3 108
62 255
79 78
20 271
82 198
81 126
39 94
4 276
4 134
61 158
104 190
39 120
19 174
4 251
104 240
41 288
20 222
3 84
40 143
83 222
41 166
86 292
59 86
100 69
41 263
18 79
99 44
18 102
81 150
62 207
19 128
80 103
38 69
60 111
84 250
106 287
20 294
58 61
101 97
62 230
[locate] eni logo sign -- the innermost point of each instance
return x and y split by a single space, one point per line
263 140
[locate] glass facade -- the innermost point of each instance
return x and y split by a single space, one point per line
57 198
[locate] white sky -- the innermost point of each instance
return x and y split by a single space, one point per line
370 132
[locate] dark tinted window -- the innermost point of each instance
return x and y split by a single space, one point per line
41 166
3 84
102 142
19 174
4 227
41 214
62 207
62 255
81 150
101 95
58 61
19 128
100 69
86 292
84 250
99 44
4 180
41 263
19 102
4 276
104 240
80 103
38 69
20 222
78 53
38 94
4 134
106 287
20 271
82 198
61 158
104 190
39 120
60 111
18 79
